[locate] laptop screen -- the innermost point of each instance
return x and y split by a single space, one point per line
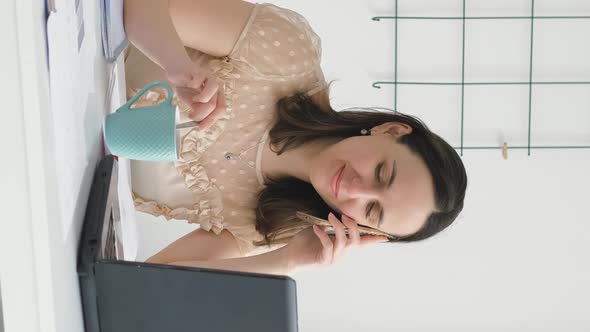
155 297
119 295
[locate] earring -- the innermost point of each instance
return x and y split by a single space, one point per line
364 131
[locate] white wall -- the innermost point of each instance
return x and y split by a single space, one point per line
517 257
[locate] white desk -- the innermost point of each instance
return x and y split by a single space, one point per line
40 290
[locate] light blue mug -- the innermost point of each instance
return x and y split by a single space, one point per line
144 133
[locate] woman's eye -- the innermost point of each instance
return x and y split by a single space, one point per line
373 219
371 208
378 173
372 216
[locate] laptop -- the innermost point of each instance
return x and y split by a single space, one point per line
119 295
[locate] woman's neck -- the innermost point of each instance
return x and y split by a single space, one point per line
296 162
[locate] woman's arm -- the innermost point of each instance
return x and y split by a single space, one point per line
161 28
210 26
149 27
310 247
272 262
201 248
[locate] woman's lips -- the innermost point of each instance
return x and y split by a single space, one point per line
336 181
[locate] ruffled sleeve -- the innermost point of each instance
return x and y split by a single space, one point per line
278 45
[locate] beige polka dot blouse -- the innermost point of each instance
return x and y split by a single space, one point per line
277 54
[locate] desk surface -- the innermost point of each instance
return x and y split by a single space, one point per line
39 240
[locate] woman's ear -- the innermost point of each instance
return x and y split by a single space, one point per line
395 129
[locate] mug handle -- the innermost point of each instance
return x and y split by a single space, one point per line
168 101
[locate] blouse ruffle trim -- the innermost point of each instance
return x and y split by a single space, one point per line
207 209
206 212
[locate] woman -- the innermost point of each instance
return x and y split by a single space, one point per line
269 144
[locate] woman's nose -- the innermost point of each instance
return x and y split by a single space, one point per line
361 189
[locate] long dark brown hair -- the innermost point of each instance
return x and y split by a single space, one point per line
300 120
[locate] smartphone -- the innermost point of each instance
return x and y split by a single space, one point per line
363 230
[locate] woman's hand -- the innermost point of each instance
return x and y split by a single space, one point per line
202 92
313 246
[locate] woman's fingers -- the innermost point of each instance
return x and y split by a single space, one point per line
209 90
341 238
186 95
211 101
354 236
219 108
201 111
328 246
368 239
184 79
202 91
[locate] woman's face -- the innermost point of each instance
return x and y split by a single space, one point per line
367 164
